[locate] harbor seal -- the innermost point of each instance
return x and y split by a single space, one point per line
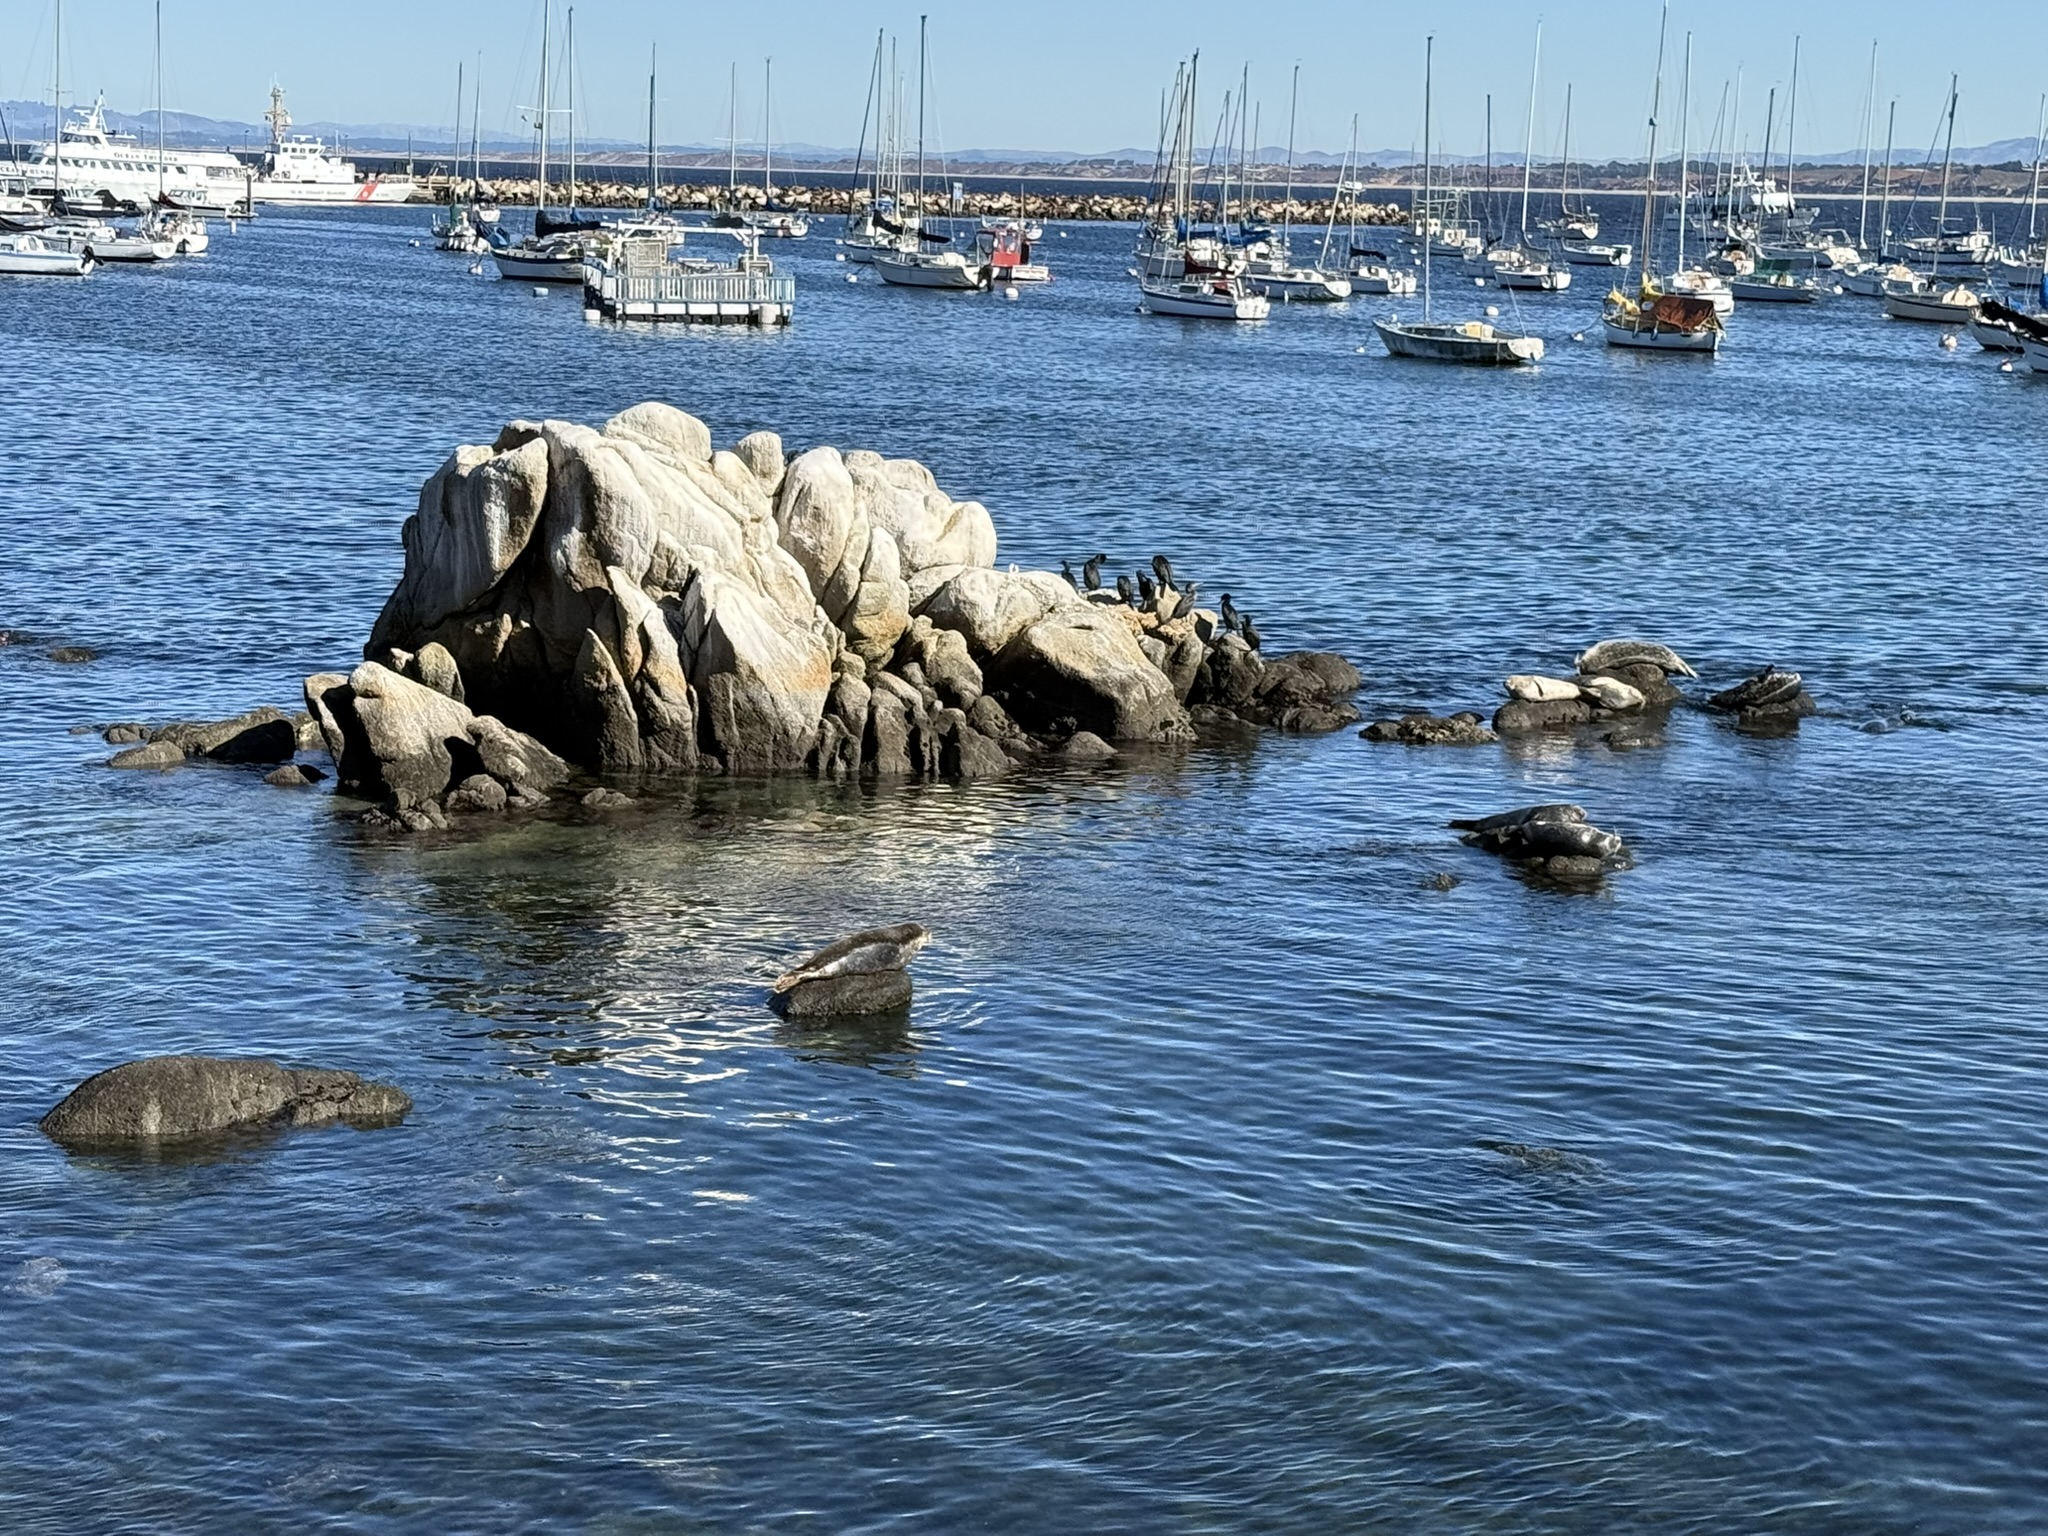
1611 692
1502 821
1605 655
1534 688
870 951
1760 690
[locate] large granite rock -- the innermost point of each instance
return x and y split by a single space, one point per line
163 1098
632 599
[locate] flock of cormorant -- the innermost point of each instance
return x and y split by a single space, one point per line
1145 593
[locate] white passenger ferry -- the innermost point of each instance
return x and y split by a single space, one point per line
90 165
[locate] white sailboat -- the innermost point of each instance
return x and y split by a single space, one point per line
1656 320
912 266
1476 342
1521 267
1276 274
1177 276
1930 299
28 255
545 257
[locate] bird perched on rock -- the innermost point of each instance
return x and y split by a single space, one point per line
1148 591
1250 633
1067 570
1124 589
1188 594
1163 569
1091 573
1227 610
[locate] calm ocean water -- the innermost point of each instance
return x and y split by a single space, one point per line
1167 1212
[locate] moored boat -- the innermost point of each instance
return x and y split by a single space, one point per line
1661 322
27 255
1948 305
1476 342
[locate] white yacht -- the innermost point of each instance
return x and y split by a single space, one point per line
91 165
297 169
929 269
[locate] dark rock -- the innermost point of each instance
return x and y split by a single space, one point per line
1084 664
292 775
1464 729
1760 690
602 799
73 655
479 794
887 748
432 666
163 1098
1778 719
1230 676
156 754
1084 747
1540 1159
1652 682
122 734
993 721
848 996
1569 866
1519 715
261 735
1441 881
306 733
967 754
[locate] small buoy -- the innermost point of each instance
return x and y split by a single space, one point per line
853 277
415 244
1478 282
1010 291
1130 271
2006 366
1493 311
1063 234
476 269
839 256
1578 335
1358 349
1948 343
539 292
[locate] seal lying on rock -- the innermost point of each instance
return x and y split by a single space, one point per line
162 1098
862 973
1607 655
1534 688
1767 702
1556 840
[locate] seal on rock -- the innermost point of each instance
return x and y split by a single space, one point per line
1610 692
1760 690
869 951
1605 655
1534 688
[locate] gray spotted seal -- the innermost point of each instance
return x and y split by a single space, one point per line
1606 655
1760 690
870 951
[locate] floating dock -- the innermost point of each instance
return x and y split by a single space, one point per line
639 282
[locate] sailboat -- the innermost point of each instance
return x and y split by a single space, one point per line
1578 234
552 253
1470 341
1929 299
1182 273
1371 272
911 266
1276 275
877 226
1655 320
183 230
1521 267
771 222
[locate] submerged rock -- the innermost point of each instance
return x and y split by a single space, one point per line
1463 729
1519 715
850 996
163 1098
73 655
155 754
292 775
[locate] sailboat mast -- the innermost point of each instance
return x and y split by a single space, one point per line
1529 137
767 148
1428 78
1884 207
653 165
2034 192
732 138
1947 156
1791 125
454 136
920 118
57 106
160 99
540 185
1650 174
1869 107
1684 148
1287 200
866 115
572 111
476 121
1564 175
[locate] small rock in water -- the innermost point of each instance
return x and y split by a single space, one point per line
479 794
1442 880
156 754
292 775
123 732
1084 747
1464 729
601 799
849 996
73 655
1539 1159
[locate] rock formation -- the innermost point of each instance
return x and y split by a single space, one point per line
164 1098
632 601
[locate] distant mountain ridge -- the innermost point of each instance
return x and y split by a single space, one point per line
28 122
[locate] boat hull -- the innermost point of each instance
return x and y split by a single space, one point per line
1621 333
1773 293
1993 337
1473 344
1932 308
909 272
1597 255
2036 353
43 262
1533 279
1383 281
518 267
331 193
1202 301
1291 289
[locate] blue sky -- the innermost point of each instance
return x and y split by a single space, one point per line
1058 74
